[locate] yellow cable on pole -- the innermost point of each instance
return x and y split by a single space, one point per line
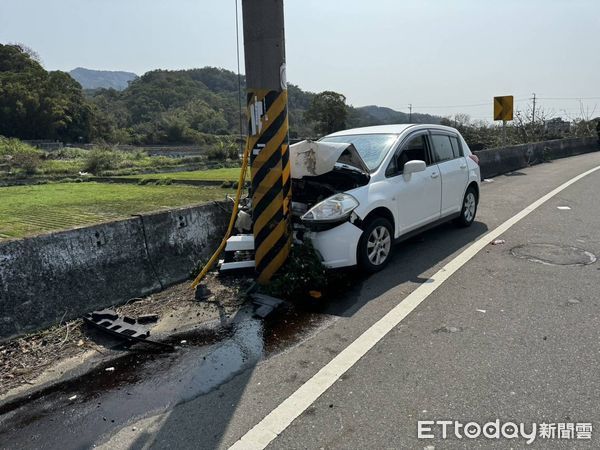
236 203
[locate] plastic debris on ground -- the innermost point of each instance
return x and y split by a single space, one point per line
202 292
265 304
498 242
123 327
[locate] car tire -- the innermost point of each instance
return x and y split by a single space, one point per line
469 208
375 245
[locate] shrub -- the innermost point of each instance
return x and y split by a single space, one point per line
225 148
100 159
19 155
68 153
301 273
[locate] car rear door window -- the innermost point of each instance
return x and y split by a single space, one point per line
442 148
456 148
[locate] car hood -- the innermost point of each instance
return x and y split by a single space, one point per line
310 158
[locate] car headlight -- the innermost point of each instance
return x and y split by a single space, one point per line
332 209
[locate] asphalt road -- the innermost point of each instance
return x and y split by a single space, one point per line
512 335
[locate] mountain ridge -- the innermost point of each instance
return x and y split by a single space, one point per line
102 79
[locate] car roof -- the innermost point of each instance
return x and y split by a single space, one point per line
389 129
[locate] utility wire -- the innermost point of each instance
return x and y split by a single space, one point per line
237 45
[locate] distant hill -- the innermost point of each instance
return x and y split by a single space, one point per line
385 116
96 79
194 105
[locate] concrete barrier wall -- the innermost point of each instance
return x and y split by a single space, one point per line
496 161
73 272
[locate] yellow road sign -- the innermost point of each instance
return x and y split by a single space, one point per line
503 107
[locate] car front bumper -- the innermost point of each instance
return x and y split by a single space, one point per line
336 246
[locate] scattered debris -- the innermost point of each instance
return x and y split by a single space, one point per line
147 318
24 359
72 397
123 327
202 292
183 342
266 304
447 329
573 301
481 310
488 180
564 208
498 242
315 294
110 369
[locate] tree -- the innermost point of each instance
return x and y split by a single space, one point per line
328 109
36 104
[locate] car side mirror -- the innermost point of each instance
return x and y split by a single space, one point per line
413 166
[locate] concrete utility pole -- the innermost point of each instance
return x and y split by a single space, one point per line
410 113
533 111
264 51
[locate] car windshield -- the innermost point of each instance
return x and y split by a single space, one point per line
372 148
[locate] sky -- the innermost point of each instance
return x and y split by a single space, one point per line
441 56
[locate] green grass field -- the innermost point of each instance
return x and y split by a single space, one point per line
226 174
29 210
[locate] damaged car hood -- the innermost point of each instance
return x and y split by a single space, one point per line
310 158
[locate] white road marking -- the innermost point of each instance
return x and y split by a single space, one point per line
564 208
283 415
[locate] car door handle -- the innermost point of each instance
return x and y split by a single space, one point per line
463 166
435 175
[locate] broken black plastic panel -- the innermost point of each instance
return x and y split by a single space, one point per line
123 327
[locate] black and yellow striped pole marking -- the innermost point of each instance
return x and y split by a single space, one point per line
271 184
264 51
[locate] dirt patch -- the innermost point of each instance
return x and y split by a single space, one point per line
24 359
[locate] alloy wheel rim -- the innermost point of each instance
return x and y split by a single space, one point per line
470 206
379 245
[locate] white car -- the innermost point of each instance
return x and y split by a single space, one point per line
356 192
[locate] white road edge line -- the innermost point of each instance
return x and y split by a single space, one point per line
283 415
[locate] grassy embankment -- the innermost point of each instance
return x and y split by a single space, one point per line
29 210
21 161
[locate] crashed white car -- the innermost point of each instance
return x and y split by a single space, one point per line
356 192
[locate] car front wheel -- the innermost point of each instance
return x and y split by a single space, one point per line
375 245
469 208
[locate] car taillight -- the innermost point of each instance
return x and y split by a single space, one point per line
474 158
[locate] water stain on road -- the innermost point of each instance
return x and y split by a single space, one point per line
145 383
